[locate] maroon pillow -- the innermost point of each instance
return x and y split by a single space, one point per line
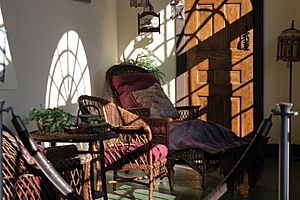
126 83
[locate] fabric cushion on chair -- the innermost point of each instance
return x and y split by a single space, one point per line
126 83
155 99
133 153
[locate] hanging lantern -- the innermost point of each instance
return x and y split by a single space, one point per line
288 46
148 21
138 3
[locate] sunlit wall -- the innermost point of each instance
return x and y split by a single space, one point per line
6 64
37 32
160 45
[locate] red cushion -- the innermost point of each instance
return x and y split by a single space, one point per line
133 153
126 83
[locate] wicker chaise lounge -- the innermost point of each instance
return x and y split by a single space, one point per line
201 161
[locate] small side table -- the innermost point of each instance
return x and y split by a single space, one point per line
80 137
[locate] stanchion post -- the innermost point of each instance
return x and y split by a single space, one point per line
284 149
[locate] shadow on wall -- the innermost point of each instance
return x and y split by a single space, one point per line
69 75
213 58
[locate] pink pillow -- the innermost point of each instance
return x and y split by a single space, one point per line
130 153
126 83
155 99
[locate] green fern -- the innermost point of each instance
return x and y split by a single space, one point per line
148 63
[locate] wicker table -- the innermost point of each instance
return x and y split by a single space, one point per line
81 137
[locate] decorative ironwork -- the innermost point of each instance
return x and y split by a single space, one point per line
246 39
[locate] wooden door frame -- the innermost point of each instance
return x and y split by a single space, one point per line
258 59
258 52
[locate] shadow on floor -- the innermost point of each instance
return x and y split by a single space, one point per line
188 185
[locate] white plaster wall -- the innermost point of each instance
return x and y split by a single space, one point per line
278 16
34 29
161 45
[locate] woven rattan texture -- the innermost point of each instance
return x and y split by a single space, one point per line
22 179
196 158
132 130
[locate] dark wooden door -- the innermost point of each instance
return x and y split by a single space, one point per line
216 62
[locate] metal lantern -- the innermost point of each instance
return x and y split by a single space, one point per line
148 21
138 3
288 47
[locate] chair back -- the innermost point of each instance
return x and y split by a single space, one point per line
119 70
113 114
132 130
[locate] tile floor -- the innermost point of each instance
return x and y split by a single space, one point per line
188 185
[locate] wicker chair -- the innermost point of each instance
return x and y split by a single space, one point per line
22 179
133 149
74 168
201 161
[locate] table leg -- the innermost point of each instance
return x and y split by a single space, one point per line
92 171
103 176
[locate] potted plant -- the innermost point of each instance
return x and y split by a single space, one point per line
50 119
148 63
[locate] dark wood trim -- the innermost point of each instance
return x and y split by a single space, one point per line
258 63
258 59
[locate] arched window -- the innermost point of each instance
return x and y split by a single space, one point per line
69 73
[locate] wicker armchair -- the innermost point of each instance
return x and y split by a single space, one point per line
133 149
201 161
22 178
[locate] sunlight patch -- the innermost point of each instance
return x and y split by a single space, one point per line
69 75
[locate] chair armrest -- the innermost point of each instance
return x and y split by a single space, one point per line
132 134
188 112
139 130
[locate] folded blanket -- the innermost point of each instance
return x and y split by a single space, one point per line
217 139
209 136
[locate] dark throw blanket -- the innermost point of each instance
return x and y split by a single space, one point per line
209 136
216 139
